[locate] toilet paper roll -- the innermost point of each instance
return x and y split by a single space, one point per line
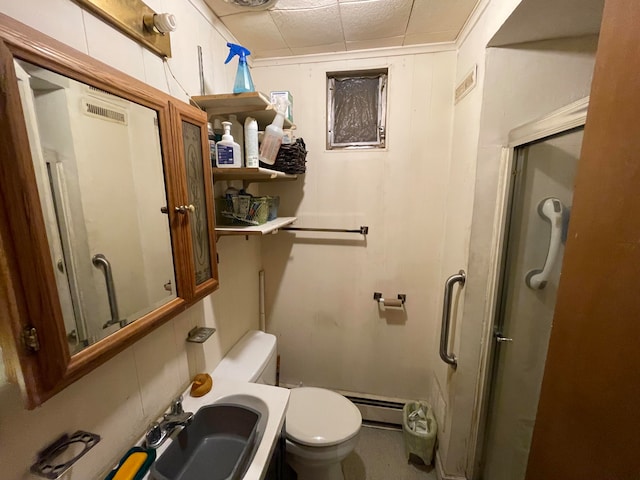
391 303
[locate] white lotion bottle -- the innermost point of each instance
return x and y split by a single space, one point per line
238 134
228 151
251 152
273 136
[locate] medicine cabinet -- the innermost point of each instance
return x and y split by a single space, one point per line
106 226
243 105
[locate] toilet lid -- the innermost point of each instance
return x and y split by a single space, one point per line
320 417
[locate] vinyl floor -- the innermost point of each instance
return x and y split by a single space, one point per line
380 455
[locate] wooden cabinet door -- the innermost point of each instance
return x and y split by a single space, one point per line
589 410
197 269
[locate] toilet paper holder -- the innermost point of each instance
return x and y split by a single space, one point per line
390 302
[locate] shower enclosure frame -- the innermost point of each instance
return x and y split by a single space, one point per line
562 120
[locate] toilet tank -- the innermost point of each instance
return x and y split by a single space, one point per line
252 359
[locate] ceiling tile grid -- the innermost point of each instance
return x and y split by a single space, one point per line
302 27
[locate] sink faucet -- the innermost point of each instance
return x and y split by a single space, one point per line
159 431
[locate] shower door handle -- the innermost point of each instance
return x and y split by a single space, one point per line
552 210
460 277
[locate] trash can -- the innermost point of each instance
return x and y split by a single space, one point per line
419 429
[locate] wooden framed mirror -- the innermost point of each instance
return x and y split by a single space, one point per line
106 229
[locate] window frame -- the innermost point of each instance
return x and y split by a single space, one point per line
383 76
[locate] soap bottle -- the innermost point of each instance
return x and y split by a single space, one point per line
212 144
228 151
273 135
237 132
251 152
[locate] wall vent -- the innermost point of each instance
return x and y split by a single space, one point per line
96 110
466 85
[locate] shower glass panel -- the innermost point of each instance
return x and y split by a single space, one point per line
539 215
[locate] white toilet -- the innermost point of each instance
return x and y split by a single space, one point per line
322 426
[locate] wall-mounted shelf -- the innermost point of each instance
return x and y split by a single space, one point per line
250 104
250 174
269 227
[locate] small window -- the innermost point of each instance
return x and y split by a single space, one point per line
356 109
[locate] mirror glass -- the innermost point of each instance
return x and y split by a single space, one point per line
98 165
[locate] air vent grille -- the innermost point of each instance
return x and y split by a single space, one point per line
94 109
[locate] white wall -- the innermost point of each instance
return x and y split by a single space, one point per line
320 286
514 86
120 398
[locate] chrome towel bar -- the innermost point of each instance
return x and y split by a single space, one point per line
364 230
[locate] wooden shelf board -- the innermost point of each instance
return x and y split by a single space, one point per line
265 229
249 104
252 174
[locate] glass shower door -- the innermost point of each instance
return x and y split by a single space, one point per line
539 216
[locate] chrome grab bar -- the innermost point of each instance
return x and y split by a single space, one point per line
459 277
100 261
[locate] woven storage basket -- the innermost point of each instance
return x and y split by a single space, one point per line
246 210
291 158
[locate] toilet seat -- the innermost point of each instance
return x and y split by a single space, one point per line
319 417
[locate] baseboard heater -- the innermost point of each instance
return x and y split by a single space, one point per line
380 412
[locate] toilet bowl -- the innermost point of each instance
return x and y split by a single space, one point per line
321 426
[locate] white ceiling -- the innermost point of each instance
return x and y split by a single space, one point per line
301 27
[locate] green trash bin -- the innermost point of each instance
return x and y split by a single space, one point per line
419 429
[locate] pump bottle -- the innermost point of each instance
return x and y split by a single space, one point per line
228 151
237 132
243 81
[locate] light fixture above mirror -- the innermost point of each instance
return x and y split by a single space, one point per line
135 19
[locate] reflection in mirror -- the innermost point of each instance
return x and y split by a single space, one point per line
98 165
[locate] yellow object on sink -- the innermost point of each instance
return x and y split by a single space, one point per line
134 465
202 384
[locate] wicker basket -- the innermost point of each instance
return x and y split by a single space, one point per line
291 158
246 210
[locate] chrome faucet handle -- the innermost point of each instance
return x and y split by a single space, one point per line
154 436
176 406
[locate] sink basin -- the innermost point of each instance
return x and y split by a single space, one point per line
252 402
217 445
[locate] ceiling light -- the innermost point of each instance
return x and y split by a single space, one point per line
255 4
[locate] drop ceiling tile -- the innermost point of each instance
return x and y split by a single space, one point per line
431 37
372 19
301 4
279 52
376 43
256 31
317 49
309 27
438 16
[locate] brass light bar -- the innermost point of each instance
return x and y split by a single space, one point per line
128 16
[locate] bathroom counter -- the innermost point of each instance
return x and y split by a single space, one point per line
276 399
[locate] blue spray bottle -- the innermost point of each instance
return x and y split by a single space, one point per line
243 77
